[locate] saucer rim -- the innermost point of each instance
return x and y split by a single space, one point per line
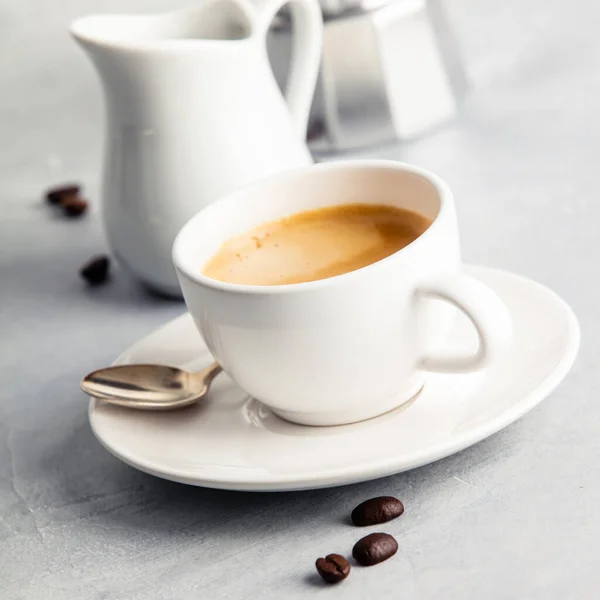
339 476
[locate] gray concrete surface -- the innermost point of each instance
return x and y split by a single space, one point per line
515 517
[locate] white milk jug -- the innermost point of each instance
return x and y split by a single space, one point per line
193 112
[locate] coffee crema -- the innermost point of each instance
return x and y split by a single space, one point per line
315 244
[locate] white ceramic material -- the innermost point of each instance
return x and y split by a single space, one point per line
367 335
193 112
235 443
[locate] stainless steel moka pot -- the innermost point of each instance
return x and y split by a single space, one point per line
391 70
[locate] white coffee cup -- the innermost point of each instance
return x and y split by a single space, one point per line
349 347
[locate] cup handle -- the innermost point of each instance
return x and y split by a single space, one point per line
486 312
307 41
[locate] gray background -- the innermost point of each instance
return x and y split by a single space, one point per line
514 517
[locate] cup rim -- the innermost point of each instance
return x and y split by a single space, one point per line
178 250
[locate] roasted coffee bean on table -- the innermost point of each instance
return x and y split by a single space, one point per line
74 206
68 197
377 510
56 195
96 270
374 548
333 568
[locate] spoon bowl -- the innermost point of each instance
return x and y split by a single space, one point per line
149 387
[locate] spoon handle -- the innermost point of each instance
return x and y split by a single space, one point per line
209 373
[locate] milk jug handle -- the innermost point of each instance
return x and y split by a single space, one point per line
307 40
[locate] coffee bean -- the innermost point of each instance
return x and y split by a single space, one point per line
374 548
74 206
377 510
95 271
68 198
333 568
57 194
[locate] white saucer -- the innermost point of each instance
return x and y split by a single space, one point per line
232 442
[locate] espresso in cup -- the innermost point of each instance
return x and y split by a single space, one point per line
336 349
316 244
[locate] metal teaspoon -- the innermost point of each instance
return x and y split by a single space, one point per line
149 387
